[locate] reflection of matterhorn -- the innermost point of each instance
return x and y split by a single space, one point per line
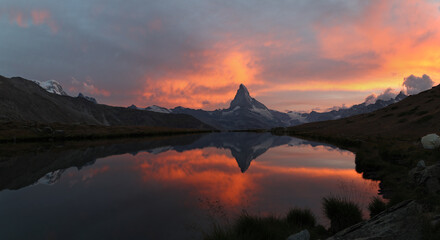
51 178
244 147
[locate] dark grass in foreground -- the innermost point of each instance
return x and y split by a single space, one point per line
341 212
269 227
376 206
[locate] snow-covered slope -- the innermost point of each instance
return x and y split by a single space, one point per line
52 86
155 108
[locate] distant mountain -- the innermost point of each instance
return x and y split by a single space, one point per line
24 100
354 110
91 99
246 112
153 108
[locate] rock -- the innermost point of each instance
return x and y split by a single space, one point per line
431 141
428 177
435 220
401 221
303 235
421 165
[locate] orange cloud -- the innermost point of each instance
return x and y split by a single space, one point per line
19 20
210 84
39 17
88 87
388 34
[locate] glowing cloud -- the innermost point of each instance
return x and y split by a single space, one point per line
211 84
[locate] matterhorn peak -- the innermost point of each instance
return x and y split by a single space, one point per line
242 98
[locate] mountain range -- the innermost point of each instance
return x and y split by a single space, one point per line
245 112
23 100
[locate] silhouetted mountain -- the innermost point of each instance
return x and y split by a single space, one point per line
24 100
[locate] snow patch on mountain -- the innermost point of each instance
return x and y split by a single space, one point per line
301 117
158 109
51 86
263 112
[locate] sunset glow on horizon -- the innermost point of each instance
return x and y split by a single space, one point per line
295 55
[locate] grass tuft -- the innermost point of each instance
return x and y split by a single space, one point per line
376 206
302 218
268 227
341 212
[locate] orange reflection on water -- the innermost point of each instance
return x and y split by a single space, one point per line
213 174
207 173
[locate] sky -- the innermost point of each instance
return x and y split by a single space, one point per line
291 55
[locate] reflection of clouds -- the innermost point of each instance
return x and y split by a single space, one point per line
213 176
208 172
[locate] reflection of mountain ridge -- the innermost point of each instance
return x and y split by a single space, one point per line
46 164
22 165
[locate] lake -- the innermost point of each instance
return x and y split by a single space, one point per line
167 188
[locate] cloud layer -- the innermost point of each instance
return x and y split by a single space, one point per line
196 53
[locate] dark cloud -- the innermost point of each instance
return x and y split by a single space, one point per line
415 84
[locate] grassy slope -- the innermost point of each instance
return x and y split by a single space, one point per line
31 131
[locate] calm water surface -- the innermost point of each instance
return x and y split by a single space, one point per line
170 188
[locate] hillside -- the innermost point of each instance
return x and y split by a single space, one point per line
413 117
22 100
